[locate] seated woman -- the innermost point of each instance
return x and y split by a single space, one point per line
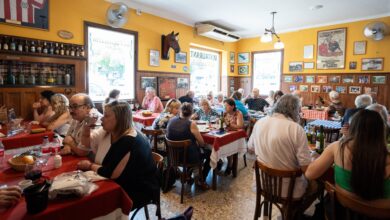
233 118
151 101
361 154
112 96
205 112
239 105
210 98
277 95
129 160
181 128
60 121
171 110
42 109
219 101
335 104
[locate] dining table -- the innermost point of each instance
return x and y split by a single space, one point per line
109 198
24 138
145 121
313 114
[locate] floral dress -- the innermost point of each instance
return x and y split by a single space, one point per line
206 117
231 119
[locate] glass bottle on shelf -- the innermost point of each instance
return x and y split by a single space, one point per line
12 44
1 43
82 53
51 48
32 47
45 49
5 43
20 46
59 76
10 76
39 47
42 76
57 49
77 52
67 77
50 79
26 46
67 50
72 52
62 50
22 80
1 79
31 79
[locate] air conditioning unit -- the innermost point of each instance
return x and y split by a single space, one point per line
216 33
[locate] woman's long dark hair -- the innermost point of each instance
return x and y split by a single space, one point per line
368 154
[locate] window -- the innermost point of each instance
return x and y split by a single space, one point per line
267 70
111 61
205 71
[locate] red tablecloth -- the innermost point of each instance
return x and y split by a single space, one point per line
108 197
314 114
146 121
24 139
217 142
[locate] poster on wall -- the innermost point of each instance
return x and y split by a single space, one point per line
26 13
167 88
331 49
148 82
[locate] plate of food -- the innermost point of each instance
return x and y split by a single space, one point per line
205 130
147 113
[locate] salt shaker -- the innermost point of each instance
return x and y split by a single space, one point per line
57 161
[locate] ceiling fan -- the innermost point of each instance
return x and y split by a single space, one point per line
375 30
117 15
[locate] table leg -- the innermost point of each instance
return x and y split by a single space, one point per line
235 164
214 184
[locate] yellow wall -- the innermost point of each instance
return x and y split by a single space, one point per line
70 14
295 41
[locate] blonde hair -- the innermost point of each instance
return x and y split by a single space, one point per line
123 115
204 101
60 104
172 104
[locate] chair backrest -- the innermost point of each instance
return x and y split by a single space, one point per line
159 160
331 134
177 151
269 182
355 207
154 133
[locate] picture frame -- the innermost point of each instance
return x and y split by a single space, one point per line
37 17
369 64
298 79
348 79
183 83
310 79
148 82
303 88
154 57
243 70
167 87
327 89
322 79
378 79
371 90
181 57
288 79
292 88
308 65
232 57
315 88
341 89
355 90
232 68
243 58
359 47
308 51
295 66
331 48
334 79
352 65
363 79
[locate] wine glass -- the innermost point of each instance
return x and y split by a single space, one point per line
33 171
136 106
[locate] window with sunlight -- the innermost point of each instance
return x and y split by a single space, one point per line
267 70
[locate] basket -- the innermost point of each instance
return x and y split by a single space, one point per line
147 114
18 164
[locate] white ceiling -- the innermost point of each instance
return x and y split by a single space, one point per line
248 18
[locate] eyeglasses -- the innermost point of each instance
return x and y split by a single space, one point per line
75 106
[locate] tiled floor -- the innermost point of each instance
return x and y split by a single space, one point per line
234 198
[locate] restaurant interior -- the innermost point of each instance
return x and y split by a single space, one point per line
152 109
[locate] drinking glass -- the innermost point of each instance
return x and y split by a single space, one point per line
32 171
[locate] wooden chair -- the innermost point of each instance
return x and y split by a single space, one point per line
153 133
156 201
354 208
269 185
331 134
177 157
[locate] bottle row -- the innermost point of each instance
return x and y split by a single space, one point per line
14 44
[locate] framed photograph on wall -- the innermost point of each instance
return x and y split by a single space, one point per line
148 82
315 88
232 57
334 79
292 88
288 79
304 88
232 68
310 79
295 66
331 49
341 89
308 65
308 51
154 57
327 89
348 79
298 79
183 83
372 64
378 79
181 57
167 87
243 70
355 90
243 57
371 90
359 47
352 65
322 79
364 79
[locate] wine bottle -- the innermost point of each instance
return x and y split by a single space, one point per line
62 50
221 122
31 79
45 49
57 49
21 76
72 52
32 47
67 78
1 79
20 46
67 50
26 47
10 76
320 140
51 48
39 47
5 43
82 53
12 45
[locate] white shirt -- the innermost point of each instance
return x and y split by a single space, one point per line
270 101
281 143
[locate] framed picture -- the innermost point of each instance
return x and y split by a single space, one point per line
322 79
341 89
355 90
295 66
371 90
372 64
308 52
308 65
181 57
34 14
148 82
310 79
334 79
378 79
232 57
331 49
243 57
304 88
243 70
167 87
232 82
298 79
348 79
292 88
363 79
352 65
315 88
359 47
232 68
183 83
327 89
154 57
288 79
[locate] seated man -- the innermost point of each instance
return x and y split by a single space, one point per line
189 97
255 102
280 143
82 109
361 102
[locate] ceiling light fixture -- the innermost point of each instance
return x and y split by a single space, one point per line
269 33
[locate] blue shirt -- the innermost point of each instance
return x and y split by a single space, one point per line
240 106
